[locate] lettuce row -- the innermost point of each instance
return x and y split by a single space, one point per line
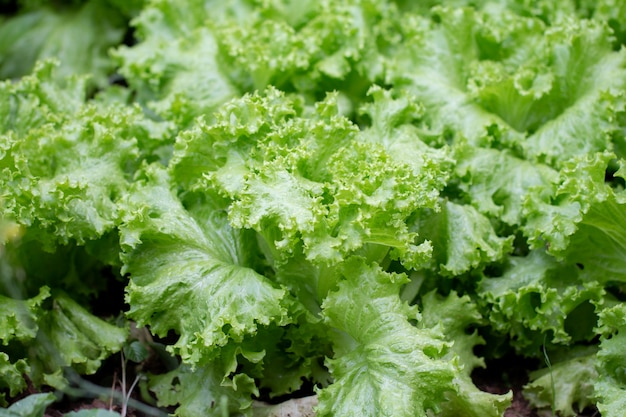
62 172
284 232
246 126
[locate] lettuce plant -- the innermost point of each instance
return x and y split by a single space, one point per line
361 200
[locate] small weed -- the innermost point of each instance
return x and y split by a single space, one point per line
549 365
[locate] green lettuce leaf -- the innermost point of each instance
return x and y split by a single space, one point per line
462 239
396 120
293 356
49 332
92 341
65 162
610 385
593 76
11 377
274 361
376 372
32 406
611 12
18 318
62 171
38 334
551 93
312 48
496 181
78 35
546 10
191 272
537 295
206 390
566 385
18 324
578 218
305 177
281 179
231 47
439 56
175 68
454 316
598 246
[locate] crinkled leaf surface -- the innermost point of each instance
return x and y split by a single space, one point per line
601 228
376 372
64 164
175 68
462 239
306 176
497 181
580 206
71 336
192 273
536 294
553 92
454 315
310 47
566 385
325 151
611 382
11 376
